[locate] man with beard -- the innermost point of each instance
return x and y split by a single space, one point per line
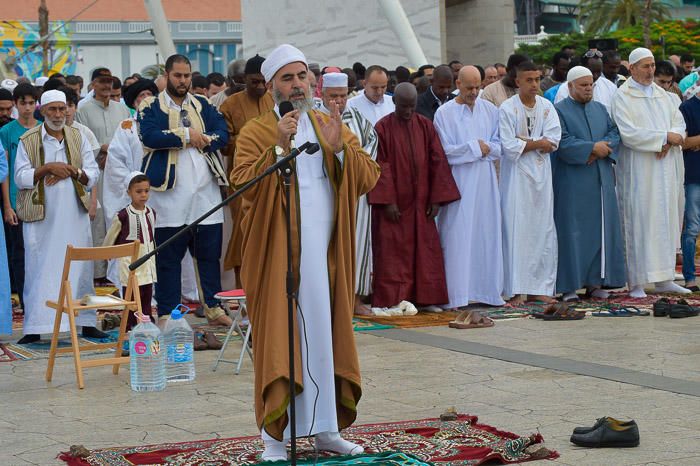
182 134
603 89
238 110
326 187
55 165
6 106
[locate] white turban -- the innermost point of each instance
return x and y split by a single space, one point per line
578 72
335 80
8 84
638 54
131 176
280 57
40 81
54 95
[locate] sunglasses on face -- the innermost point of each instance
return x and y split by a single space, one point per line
185 118
593 53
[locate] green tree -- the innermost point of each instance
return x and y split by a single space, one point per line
601 16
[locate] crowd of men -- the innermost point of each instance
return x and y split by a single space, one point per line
513 181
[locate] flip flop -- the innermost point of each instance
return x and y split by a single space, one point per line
636 311
559 311
614 313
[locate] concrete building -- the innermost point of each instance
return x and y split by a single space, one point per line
340 33
118 35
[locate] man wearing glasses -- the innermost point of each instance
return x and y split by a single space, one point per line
603 89
182 134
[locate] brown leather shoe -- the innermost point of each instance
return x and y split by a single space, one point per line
211 341
199 344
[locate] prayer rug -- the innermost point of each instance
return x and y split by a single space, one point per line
40 349
460 442
422 319
383 459
5 354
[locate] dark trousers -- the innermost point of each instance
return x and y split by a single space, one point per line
14 240
145 293
204 243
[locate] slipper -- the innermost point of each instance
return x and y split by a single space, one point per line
559 311
471 319
636 311
614 313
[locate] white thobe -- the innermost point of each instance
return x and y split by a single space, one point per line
196 190
65 222
373 112
470 228
603 92
527 200
315 337
648 188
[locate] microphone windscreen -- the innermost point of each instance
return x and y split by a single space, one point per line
286 107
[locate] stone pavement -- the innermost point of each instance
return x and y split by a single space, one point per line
408 374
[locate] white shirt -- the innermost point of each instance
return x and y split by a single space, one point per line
195 191
373 112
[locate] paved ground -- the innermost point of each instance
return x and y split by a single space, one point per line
408 374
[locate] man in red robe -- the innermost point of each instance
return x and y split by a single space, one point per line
415 181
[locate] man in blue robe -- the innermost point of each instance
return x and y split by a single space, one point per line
591 251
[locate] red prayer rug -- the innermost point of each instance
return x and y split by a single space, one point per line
460 442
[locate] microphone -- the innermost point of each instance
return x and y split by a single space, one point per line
286 107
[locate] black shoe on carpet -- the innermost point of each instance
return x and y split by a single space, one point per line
31 338
92 332
610 434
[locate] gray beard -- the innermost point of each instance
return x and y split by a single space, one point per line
302 105
54 127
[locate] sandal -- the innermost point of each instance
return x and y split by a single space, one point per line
560 311
471 319
619 312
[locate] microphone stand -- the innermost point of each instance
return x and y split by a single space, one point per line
286 169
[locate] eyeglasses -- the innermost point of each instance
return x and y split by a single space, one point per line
593 53
185 118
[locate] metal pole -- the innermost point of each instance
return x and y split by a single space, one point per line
398 20
160 27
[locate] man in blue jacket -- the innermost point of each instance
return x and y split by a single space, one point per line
182 135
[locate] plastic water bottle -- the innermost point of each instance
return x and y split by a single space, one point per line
147 362
179 344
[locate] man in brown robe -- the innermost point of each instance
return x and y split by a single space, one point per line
416 180
325 190
238 109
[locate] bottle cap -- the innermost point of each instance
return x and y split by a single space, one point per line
177 313
144 318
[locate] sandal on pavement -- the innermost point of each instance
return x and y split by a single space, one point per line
559 311
472 319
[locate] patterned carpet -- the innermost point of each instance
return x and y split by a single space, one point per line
460 442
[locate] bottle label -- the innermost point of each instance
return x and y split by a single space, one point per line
179 353
146 347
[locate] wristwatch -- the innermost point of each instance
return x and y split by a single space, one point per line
279 151
79 175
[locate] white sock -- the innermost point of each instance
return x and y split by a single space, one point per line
569 297
274 450
638 292
670 287
332 441
599 293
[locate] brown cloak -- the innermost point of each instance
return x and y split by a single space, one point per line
265 263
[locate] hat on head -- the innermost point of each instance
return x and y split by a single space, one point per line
335 80
638 54
40 81
52 96
253 65
130 177
133 90
5 94
578 72
8 84
280 57
101 73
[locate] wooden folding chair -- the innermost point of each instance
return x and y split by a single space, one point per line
67 305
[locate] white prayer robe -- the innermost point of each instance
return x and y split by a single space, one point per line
527 200
470 228
648 188
603 92
66 222
373 112
315 338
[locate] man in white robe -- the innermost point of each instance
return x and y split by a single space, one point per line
65 220
652 130
603 89
372 102
529 132
335 89
470 228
